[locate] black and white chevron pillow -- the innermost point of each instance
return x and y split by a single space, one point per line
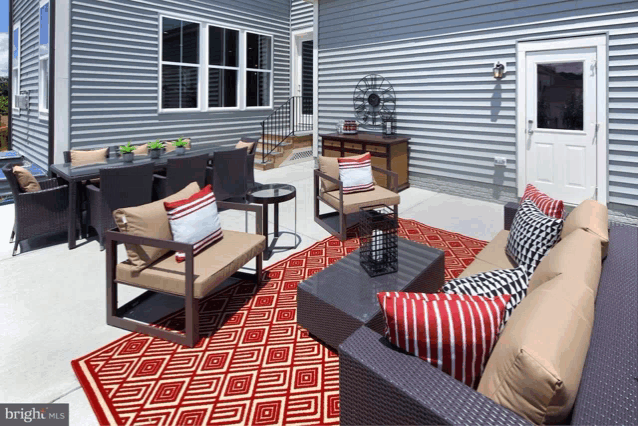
532 235
492 284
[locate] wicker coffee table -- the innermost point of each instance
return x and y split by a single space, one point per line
335 302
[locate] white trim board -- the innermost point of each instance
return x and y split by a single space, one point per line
600 42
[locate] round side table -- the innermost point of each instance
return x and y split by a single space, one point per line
274 193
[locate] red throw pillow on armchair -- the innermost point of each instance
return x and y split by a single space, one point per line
546 204
356 173
455 333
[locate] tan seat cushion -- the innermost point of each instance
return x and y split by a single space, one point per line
83 158
577 256
212 266
141 150
330 166
352 202
536 365
591 216
494 252
170 147
477 267
26 180
248 145
149 220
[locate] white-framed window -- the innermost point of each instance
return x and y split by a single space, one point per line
43 53
223 67
180 64
259 53
205 66
15 66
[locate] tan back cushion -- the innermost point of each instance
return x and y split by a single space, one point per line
330 166
25 179
248 145
577 256
591 216
141 150
149 220
537 363
83 158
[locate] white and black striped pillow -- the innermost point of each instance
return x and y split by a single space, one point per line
493 284
532 235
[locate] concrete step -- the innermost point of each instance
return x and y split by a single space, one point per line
269 164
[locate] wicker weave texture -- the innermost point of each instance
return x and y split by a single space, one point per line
608 393
509 212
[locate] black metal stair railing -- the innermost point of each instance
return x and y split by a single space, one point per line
293 116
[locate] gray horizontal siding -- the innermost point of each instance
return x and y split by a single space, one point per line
460 117
301 14
114 70
30 134
351 22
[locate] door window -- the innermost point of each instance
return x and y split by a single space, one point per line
560 96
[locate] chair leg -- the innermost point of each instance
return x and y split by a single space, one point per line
13 234
192 322
15 248
259 260
342 227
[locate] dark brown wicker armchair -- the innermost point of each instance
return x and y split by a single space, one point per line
346 204
38 213
119 187
180 172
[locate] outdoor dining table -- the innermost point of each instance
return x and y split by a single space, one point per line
74 175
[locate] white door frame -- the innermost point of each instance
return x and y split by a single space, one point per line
600 42
293 57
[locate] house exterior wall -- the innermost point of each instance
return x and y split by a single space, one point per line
30 133
301 15
114 68
439 57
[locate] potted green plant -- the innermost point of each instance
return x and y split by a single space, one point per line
127 152
156 149
180 146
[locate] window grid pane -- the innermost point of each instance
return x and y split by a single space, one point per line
44 30
222 47
222 88
179 86
257 89
560 96
180 44
258 51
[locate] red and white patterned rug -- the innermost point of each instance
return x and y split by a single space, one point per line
254 366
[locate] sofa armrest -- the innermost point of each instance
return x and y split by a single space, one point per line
392 176
510 210
255 208
379 384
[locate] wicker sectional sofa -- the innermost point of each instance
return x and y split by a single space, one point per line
380 384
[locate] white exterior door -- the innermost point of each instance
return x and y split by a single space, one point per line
561 127
302 80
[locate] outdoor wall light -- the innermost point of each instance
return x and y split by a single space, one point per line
499 70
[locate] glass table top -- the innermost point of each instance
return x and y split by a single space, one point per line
271 191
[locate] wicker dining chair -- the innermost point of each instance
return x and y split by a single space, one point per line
126 186
229 175
40 213
180 172
250 161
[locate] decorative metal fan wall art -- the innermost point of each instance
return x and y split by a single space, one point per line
373 99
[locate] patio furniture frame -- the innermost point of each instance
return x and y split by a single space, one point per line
380 384
191 335
110 197
39 213
321 219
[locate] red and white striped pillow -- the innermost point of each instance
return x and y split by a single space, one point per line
545 203
455 333
195 220
356 173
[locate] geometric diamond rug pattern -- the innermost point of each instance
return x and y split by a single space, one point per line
254 365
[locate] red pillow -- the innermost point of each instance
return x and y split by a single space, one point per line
356 173
549 206
453 332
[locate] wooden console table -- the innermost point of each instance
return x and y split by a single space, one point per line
390 153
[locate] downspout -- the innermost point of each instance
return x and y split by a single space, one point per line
51 85
10 86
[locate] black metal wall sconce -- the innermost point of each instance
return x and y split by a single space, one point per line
499 70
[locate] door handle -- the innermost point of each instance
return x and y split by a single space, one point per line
530 125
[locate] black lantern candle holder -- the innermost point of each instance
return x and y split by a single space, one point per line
389 124
379 240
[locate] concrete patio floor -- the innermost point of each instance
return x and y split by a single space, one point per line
52 300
